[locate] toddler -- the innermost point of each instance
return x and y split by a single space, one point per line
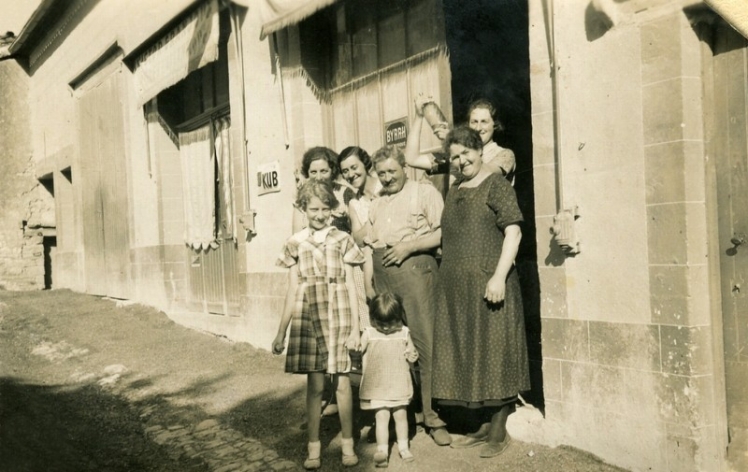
386 384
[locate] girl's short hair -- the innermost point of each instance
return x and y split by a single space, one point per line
321 189
492 110
362 155
320 153
465 136
386 312
389 152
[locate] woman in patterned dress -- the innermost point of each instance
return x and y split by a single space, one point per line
322 310
480 351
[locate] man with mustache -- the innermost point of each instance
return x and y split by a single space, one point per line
405 233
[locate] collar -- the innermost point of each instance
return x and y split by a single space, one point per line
318 235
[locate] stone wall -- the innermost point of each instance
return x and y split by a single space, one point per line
628 366
27 207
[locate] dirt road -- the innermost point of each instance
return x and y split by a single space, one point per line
89 384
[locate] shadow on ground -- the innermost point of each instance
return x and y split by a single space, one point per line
52 428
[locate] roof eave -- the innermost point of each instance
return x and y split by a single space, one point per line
30 28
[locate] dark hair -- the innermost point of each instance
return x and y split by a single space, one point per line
465 136
387 152
362 155
321 189
320 153
492 110
386 312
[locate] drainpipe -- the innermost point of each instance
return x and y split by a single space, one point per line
563 223
247 219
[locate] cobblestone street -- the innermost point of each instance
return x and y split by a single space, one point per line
89 384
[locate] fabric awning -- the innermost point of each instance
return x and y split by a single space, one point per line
735 12
192 44
277 14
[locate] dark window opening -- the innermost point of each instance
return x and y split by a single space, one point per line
203 94
50 245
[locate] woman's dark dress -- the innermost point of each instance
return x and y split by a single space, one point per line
480 350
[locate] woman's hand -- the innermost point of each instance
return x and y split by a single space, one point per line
353 343
495 289
421 101
279 344
395 255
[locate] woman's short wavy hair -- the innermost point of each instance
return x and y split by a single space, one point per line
465 136
321 189
390 151
362 155
492 110
320 153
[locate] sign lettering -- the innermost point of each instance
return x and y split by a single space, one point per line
396 132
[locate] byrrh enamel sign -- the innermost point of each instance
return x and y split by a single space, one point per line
396 132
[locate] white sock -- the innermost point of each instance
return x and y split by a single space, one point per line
402 445
313 449
347 446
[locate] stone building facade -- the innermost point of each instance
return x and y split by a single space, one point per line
27 216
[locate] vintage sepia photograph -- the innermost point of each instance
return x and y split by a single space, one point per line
420 235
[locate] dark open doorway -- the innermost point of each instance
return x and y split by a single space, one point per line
488 42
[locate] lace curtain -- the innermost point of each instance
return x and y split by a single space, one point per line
198 184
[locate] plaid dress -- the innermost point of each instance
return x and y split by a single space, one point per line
321 316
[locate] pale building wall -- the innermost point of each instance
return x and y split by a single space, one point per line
155 216
626 324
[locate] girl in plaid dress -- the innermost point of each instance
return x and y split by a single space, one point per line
322 310
386 384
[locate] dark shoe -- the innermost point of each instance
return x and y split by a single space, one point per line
440 436
493 449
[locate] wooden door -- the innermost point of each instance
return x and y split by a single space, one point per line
104 187
728 145
215 282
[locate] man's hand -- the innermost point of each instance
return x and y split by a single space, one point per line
396 255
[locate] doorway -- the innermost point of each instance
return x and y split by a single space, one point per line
727 137
495 65
106 243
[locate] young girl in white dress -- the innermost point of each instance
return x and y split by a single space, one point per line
386 384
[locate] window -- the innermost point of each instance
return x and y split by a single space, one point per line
203 94
357 37
195 113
